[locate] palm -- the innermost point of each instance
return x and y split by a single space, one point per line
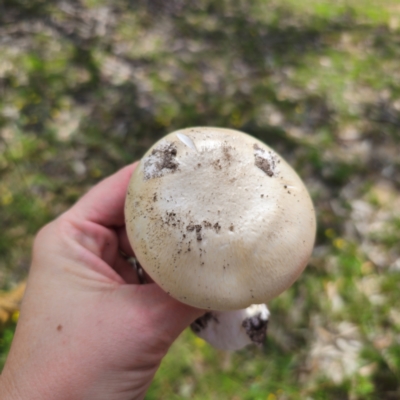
85 318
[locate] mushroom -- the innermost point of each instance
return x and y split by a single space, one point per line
221 222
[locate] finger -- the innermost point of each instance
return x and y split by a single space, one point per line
164 315
171 316
104 203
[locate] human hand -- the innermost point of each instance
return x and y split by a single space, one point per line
87 328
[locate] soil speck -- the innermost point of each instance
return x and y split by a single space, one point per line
256 328
265 160
190 228
160 161
207 224
202 322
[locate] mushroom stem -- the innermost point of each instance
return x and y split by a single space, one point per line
233 330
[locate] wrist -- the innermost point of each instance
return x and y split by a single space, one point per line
8 388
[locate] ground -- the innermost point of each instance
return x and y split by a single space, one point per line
86 86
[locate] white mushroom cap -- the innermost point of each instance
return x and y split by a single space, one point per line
218 219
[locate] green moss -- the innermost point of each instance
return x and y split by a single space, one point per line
6 337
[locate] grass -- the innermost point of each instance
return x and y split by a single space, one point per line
6 336
87 87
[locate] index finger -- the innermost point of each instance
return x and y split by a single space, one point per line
104 203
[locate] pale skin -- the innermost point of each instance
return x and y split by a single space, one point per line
87 328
